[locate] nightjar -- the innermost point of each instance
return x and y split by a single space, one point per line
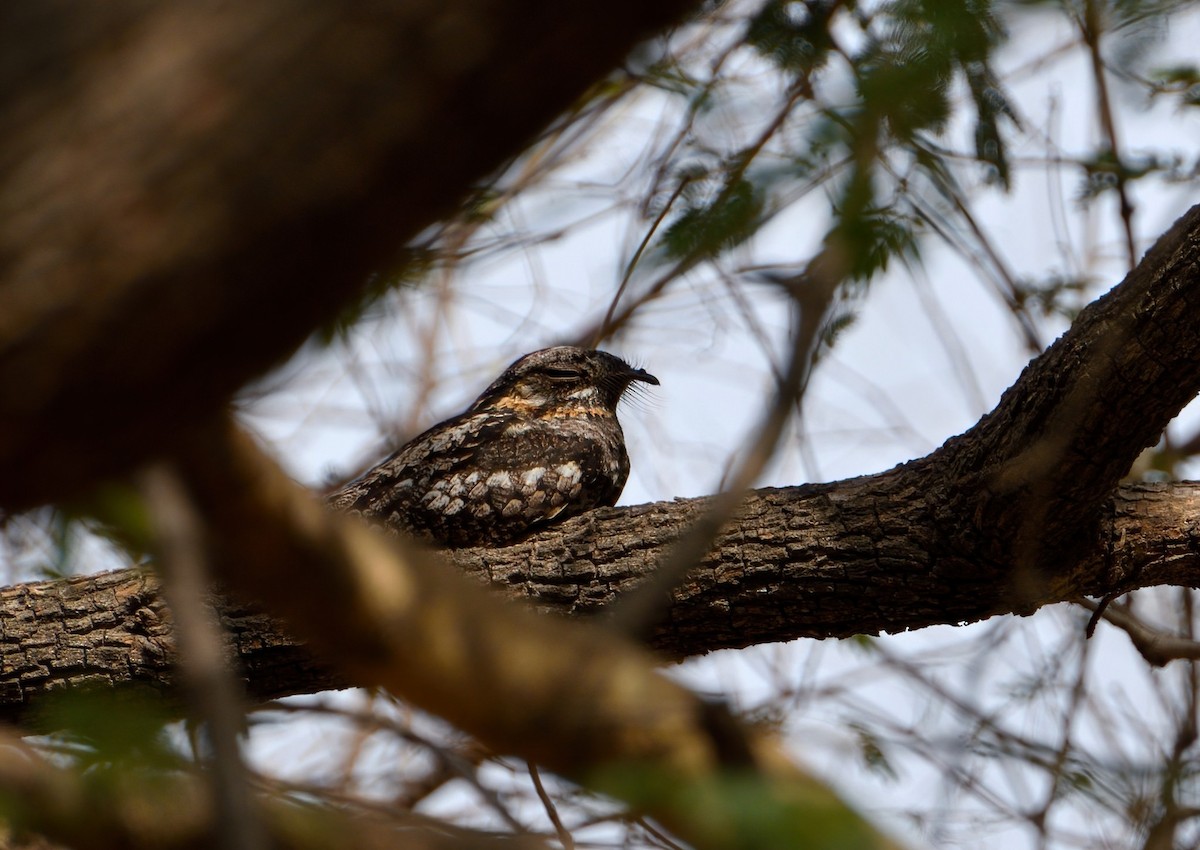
541 444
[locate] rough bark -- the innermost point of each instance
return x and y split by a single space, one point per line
112 630
1032 474
820 561
189 189
159 206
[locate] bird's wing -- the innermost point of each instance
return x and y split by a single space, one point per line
486 478
421 461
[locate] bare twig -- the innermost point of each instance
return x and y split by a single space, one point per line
172 811
1157 647
564 835
1091 28
452 762
812 292
203 658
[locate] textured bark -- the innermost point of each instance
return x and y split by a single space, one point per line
1013 514
173 178
113 630
833 560
189 189
1027 482
821 561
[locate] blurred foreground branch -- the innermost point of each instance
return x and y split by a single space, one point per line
189 190
185 200
114 808
571 696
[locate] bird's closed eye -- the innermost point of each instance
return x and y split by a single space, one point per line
562 374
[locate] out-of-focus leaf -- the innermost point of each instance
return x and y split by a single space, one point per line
123 729
929 41
742 812
1055 295
672 77
869 240
794 35
1177 77
908 88
1104 172
705 231
871 751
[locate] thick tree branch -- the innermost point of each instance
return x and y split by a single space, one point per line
786 568
1033 473
212 177
571 696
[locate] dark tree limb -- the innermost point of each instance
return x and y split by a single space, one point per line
190 189
571 696
1034 472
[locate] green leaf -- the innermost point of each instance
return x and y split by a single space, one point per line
907 88
125 728
872 754
990 106
115 512
705 231
792 34
738 811
869 240
905 78
1104 172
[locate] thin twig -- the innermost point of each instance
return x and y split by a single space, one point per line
1091 27
564 836
460 763
658 835
1098 613
732 177
812 293
1157 647
203 659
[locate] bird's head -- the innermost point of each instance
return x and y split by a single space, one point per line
563 378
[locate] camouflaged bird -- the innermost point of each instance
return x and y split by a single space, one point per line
541 444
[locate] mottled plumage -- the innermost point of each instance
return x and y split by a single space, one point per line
541 444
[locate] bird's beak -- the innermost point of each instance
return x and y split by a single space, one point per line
643 376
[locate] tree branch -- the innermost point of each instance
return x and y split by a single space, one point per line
1157 646
788 567
80 809
1034 472
571 696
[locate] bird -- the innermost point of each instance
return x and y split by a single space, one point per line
541 444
